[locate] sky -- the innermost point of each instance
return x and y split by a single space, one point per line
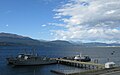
75 20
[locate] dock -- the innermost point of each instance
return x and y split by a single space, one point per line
86 65
111 71
91 68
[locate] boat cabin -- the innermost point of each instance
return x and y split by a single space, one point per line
109 65
82 58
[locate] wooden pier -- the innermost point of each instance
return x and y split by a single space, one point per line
111 71
86 65
92 68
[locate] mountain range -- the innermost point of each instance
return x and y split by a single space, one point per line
8 39
18 40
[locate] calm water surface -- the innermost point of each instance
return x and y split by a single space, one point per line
100 53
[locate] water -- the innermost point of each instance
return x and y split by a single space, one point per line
100 53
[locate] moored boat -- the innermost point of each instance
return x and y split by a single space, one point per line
30 59
82 58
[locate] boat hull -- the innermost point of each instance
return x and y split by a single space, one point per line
31 62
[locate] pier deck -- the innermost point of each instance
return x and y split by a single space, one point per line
111 71
92 68
89 65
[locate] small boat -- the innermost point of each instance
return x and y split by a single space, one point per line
29 59
82 58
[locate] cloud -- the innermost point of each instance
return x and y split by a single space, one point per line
51 33
48 1
92 20
6 25
56 24
43 25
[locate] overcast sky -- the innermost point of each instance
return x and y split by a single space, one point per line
77 20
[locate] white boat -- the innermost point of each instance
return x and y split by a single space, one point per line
82 58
